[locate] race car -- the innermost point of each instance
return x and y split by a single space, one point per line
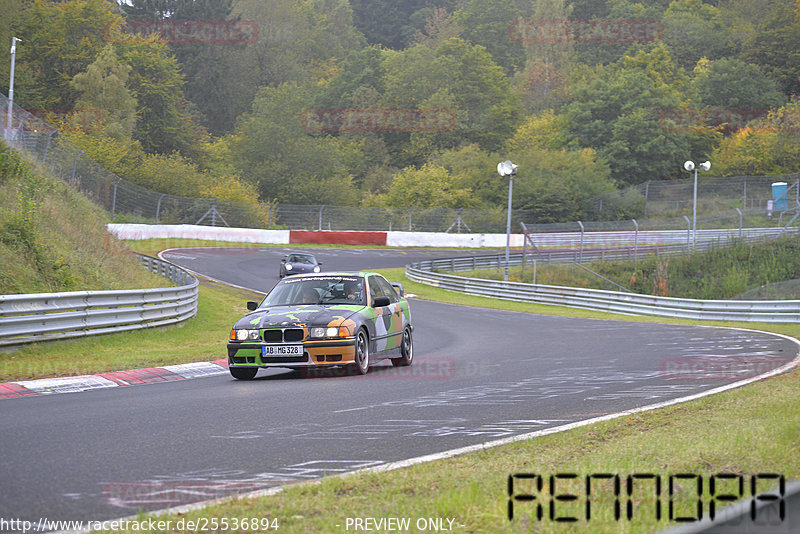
324 320
298 263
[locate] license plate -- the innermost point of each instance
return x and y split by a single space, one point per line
282 350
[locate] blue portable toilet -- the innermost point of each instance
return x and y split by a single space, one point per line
779 193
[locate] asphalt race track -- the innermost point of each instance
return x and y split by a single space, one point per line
478 376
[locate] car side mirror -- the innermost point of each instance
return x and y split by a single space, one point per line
380 302
319 263
283 260
399 287
252 305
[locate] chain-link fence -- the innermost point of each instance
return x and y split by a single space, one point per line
669 198
128 202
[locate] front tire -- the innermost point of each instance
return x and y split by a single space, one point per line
361 365
406 350
243 373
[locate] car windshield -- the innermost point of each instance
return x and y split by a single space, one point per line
317 290
300 258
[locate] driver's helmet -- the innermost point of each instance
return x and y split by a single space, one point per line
352 290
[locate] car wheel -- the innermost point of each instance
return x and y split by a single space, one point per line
361 365
406 350
243 373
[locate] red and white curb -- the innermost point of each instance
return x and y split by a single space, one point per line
133 377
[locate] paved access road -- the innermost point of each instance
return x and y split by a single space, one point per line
478 376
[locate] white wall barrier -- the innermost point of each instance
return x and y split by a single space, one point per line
443 239
193 231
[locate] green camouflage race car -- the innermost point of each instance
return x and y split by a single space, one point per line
314 321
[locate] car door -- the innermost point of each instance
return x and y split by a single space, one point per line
389 320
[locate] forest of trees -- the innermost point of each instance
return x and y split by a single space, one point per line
413 102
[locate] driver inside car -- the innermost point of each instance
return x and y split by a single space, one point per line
352 291
309 295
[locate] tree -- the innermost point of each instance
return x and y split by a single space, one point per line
358 71
206 64
694 29
606 51
297 42
768 146
548 61
732 84
555 184
165 124
485 107
12 14
430 186
773 44
392 23
290 163
619 113
60 39
488 23
543 131
105 97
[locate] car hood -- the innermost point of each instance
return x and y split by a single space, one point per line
307 315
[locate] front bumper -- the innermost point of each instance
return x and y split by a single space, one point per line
315 353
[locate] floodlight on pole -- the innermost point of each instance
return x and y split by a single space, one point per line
689 166
506 168
11 83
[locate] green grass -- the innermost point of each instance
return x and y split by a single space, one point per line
721 273
53 239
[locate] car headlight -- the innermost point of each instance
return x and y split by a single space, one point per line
245 335
329 331
288 266
316 269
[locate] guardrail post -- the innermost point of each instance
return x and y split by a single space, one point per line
740 222
688 231
580 253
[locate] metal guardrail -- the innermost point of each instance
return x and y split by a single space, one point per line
50 316
618 247
770 311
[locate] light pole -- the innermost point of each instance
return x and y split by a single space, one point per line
506 168
690 166
11 83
